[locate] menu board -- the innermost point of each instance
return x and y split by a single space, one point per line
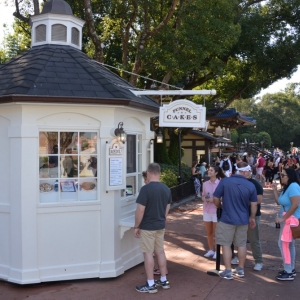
115 171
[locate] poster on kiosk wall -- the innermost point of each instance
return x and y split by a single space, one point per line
182 113
115 166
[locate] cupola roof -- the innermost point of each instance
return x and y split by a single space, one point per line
57 7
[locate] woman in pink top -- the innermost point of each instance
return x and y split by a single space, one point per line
215 173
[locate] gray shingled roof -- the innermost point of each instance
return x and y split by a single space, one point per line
63 71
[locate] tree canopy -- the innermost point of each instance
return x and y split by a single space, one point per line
15 43
237 47
278 115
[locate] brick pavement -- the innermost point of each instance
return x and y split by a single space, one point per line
185 247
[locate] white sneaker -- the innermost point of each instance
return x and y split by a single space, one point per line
209 253
215 255
235 261
258 267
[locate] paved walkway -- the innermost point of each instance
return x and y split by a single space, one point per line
185 247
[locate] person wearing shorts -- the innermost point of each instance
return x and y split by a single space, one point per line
237 194
260 167
209 208
153 205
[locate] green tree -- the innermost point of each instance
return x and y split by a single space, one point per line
17 42
234 136
161 152
234 46
279 115
264 140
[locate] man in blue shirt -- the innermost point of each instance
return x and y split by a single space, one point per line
237 193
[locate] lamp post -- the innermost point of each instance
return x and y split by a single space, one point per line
179 156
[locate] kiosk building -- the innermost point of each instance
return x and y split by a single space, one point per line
68 182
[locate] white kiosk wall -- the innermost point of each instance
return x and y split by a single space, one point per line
47 241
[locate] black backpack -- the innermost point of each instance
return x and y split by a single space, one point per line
225 165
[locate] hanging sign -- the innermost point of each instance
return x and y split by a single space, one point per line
182 113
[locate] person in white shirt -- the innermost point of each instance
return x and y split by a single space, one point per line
226 166
251 160
275 169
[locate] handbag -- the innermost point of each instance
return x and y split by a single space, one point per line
296 231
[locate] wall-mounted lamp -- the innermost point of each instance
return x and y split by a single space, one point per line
120 133
159 137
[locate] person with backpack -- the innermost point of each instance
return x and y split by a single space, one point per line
195 178
226 166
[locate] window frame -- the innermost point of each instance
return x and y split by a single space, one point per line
134 178
94 195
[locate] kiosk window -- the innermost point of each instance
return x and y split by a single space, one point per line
134 164
68 164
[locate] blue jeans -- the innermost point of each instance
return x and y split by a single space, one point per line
287 267
197 186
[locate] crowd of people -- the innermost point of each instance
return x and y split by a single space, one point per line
224 187
232 196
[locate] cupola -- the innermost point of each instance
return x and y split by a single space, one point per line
56 25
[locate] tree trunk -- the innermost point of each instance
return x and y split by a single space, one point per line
137 68
165 80
36 7
125 38
92 31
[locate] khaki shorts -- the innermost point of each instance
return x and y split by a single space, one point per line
227 234
152 240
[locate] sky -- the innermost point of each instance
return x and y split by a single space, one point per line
7 17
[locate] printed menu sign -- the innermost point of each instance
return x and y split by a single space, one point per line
115 171
67 186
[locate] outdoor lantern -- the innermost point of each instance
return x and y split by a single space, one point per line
224 132
159 137
218 131
120 133
228 135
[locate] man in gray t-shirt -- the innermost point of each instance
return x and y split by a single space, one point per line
153 205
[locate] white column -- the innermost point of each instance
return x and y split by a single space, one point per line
23 191
111 256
